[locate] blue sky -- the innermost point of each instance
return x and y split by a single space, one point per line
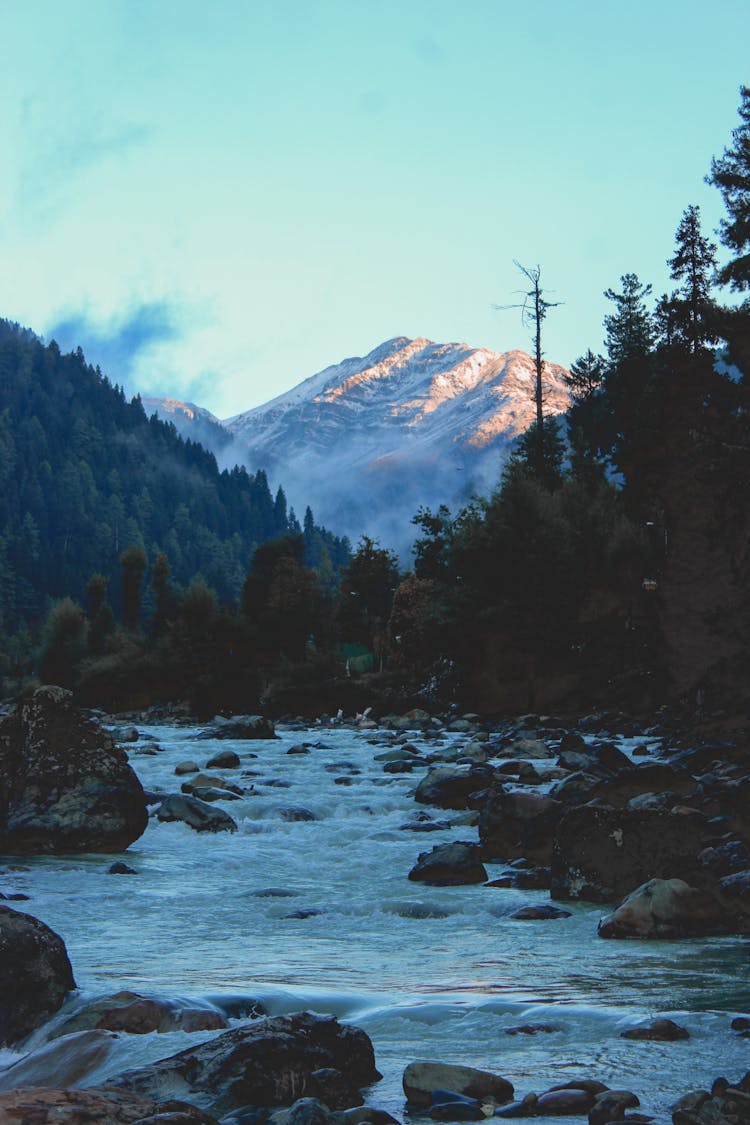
217 200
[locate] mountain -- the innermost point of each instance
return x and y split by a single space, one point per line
369 440
191 422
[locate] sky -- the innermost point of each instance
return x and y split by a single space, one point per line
217 200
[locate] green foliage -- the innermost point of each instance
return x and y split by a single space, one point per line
543 460
730 173
586 376
693 312
629 329
63 643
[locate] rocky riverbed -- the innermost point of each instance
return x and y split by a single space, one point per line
398 875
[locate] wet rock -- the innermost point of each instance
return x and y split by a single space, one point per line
210 781
660 1030
451 787
199 815
95 1105
120 868
611 1105
532 748
425 825
334 1088
268 1063
651 777
734 892
183 768
294 813
725 859
418 910
134 1014
514 824
305 1111
64 785
449 865
601 854
211 794
299 748
532 1029
35 974
667 908
540 912
224 760
62 1063
558 1103
421 1079
240 727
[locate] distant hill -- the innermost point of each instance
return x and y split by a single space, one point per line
84 473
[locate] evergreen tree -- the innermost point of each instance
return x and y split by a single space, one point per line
586 375
730 173
133 566
525 457
630 329
693 264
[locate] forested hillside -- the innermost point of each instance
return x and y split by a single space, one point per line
86 475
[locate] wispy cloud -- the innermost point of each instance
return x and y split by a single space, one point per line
118 344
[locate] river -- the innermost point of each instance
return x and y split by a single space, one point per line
428 972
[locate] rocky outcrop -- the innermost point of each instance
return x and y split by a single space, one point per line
35 974
726 1104
667 908
515 824
271 1062
64 785
449 865
95 1105
602 854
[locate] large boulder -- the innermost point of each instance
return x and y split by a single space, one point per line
450 787
422 1079
667 908
64 785
95 1105
270 1062
516 824
449 865
601 854
140 1015
35 974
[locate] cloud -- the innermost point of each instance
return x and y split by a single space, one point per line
118 344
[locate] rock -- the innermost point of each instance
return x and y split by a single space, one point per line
602 854
95 1106
300 748
734 892
269 1062
240 727
660 1030
62 1063
565 1102
532 1029
666 908
183 768
305 1111
540 912
210 794
199 815
514 824
294 813
120 868
64 785
334 1089
651 777
449 865
140 1015
35 974
611 1105
224 760
532 748
209 781
450 787
422 1078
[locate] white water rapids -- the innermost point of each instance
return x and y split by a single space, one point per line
428 972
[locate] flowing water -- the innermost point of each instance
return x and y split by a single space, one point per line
319 914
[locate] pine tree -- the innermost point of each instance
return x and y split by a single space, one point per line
630 329
694 264
586 375
730 173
